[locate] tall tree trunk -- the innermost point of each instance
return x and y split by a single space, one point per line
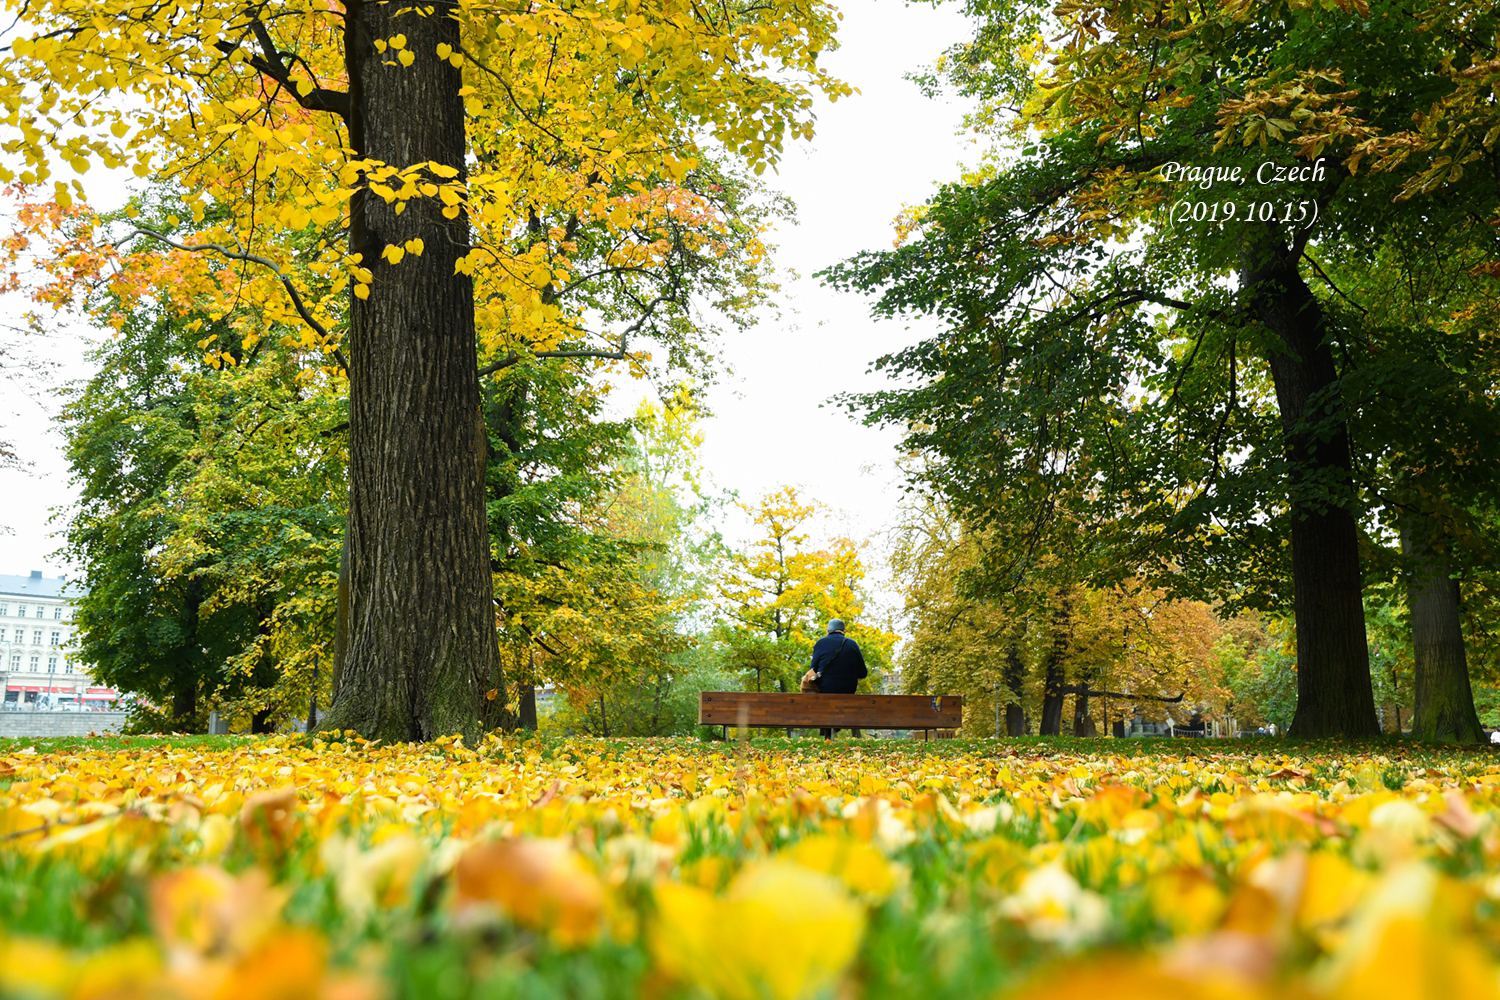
1334 694
1083 719
421 648
1055 676
185 700
1015 715
1444 700
185 683
527 719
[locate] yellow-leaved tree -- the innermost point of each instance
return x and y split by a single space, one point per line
779 594
414 187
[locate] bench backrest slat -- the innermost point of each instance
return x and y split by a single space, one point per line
867 711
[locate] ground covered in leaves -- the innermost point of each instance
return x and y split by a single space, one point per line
767 870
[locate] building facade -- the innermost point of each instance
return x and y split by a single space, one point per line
37 657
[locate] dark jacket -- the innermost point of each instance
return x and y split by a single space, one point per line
838 663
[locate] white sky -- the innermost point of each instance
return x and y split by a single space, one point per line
873 153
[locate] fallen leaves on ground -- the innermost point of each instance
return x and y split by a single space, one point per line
336 869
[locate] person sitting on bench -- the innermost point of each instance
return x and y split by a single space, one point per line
837 664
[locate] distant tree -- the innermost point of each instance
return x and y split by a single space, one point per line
777 596
209 519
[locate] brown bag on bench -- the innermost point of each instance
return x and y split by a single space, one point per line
810 683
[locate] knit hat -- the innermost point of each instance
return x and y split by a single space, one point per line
835 625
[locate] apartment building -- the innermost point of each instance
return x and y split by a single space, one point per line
36 655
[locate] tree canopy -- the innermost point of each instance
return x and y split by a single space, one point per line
1145 366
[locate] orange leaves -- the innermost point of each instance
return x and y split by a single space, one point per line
539 883
268 821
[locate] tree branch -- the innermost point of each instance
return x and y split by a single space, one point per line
271 64
513 358
250 258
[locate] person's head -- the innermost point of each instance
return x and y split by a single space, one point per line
835 625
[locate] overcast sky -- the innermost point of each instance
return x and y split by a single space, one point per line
873 153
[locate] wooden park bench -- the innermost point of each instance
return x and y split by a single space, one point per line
773 710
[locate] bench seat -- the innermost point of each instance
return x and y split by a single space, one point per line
773 710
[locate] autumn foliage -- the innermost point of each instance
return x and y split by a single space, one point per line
340 868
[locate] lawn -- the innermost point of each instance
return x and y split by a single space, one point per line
274 868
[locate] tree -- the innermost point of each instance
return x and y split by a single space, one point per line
778 597
1421 381
209 520
1113 650
299 117
593 524
1069 286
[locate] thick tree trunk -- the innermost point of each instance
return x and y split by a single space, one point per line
527 720
185 700
421 649
1015 715
1083 720
185 684
1444 701
1334 695
1054 679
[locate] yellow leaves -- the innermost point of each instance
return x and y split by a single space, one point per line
747 875
382 876
859 865
540 883
201 911
393 254
405 57
31 965
725 945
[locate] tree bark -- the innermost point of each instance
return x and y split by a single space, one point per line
1054 679
527 720
1444 701
185 700
421 647
1083 720
1334 694
1015 715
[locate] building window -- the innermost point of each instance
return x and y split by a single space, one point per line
20 611
56 638
51 664
15 662
4 609
39 611
57 612
36 637
67 665
36 664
